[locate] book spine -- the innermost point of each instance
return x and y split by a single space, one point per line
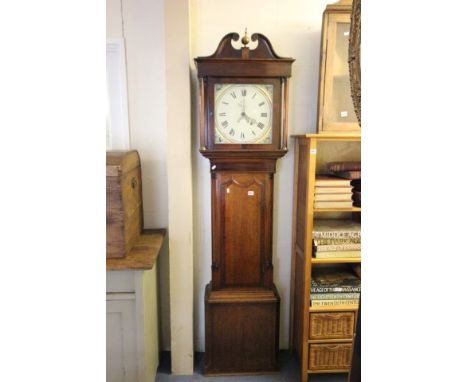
318 242
333 204
333 197
322 303
333 183
351 175
345 289
337 235
338 247
344 166
338 254
334 296
333 190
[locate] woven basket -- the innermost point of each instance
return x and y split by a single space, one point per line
332 357
338 325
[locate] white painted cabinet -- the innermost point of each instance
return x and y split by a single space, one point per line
132 342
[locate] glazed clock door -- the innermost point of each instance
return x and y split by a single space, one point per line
242 223
243 113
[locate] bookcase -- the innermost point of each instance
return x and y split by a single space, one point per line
321 336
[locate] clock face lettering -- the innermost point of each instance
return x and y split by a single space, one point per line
243 113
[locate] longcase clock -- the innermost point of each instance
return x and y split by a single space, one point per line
243 131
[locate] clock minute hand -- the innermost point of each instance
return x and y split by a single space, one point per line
243 115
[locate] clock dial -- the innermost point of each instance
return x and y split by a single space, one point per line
243 113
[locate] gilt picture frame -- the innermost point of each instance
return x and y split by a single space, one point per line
354 57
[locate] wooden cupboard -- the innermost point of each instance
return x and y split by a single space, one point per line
132 339
322 337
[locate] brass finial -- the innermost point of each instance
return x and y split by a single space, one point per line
245 40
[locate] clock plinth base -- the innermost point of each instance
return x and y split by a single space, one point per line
241 331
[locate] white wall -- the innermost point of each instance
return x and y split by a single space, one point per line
141 24
294 29
179 168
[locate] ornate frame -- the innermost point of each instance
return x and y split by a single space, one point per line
354 57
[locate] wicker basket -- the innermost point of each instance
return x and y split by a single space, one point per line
330 357
338 325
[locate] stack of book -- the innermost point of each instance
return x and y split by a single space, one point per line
351 171
332 192
356 183
334 288
336 239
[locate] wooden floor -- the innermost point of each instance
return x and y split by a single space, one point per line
288 363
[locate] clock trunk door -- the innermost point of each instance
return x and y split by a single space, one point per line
242 216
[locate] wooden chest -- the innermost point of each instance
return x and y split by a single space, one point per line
124 208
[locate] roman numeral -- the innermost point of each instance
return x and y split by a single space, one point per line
232 132
263 114
225 103
242 136
225 124
254 95
261 125
233 95
261 104
244 92
253 132
223 114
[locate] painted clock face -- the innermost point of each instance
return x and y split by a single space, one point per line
243 113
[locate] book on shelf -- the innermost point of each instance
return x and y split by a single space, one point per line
344 166
357 195
337 254
335 296
333 197
325 303
331 181
351 175
336 229
335 289
336 241
330 280
357 269
337 247
334 204
331 275
333 190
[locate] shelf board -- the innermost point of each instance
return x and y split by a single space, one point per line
339 136
330 341
336 260
352 209
333 308
329 371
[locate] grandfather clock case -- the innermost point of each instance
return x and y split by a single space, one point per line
243 131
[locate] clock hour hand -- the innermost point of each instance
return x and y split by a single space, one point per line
243 115
249 120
